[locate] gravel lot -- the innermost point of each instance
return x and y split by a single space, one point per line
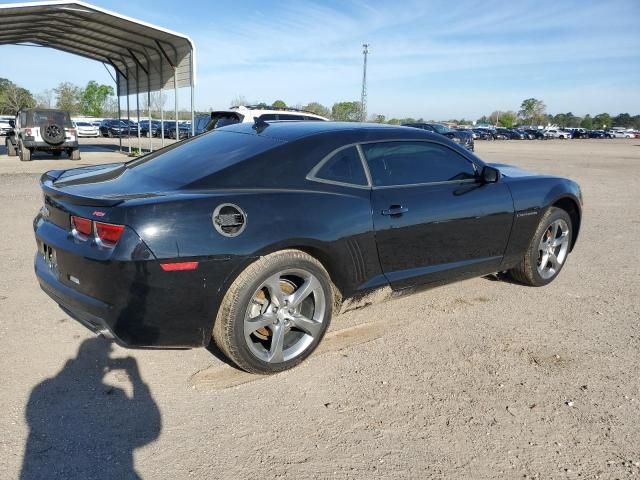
480 379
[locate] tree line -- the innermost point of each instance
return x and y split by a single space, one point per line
98 100
92 100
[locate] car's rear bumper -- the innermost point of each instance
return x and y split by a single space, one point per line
37 145
90 312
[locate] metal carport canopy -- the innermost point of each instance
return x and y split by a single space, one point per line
146 58
108 37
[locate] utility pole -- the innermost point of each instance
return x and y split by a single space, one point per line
363 98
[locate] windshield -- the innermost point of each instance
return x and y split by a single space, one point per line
441 128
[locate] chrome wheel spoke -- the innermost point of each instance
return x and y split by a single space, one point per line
277 344
306 325
303 291
275 290
253 324
561 240
555 264
544 260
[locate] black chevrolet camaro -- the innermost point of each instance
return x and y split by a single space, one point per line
255 234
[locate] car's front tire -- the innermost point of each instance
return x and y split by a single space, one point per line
548 250
275 313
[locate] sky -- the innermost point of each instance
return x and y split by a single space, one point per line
431 59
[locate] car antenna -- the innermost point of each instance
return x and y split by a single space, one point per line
260 124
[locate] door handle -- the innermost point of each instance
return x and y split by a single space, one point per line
395 210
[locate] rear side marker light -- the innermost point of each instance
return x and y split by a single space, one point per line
81 225
109 233
180 266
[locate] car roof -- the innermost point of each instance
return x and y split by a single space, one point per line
294 130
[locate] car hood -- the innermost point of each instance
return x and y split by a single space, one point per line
512 171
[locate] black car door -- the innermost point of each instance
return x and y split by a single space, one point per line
433 217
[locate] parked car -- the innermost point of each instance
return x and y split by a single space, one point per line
483 134
598 134
183 128
511 134
249 114
229 253
535 134
43 130
113 128
620 134
5 125
579 133
86 129
557 133
152 127
466 140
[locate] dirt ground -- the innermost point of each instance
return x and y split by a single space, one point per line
480 379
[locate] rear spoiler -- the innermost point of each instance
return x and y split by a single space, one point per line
52 181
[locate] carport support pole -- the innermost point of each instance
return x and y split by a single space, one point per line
193 115
119 109
149 120
175 95
138 108
128 112
162 100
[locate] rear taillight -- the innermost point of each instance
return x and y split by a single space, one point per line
27 131
72 131
81 225
108 233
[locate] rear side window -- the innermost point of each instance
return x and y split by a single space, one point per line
343 167
200 157
410 163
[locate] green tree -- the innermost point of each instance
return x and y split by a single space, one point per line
346 111
14 98
483 120
602 120
279 104
532 111
622 120
318 109
508 119
376 118
68 97
94 98
587 122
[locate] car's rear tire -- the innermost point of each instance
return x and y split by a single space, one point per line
11 149
25 153
285 297
74 154
548 250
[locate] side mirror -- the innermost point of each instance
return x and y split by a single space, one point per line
490 174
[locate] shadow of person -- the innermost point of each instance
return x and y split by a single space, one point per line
83 428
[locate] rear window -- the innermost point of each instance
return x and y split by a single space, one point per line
200 157
344 167
36 118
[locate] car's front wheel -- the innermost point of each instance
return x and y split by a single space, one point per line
275 313
548 251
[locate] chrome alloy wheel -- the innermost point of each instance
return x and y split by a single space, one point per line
553 248
284 316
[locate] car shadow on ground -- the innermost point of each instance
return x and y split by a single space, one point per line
81 427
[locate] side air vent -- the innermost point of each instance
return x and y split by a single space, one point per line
229 220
